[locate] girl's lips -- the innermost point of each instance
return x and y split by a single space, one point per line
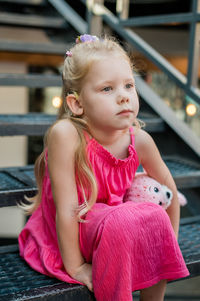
125 112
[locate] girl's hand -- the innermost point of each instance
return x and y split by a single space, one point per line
84 275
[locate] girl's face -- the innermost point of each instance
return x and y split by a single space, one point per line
108 96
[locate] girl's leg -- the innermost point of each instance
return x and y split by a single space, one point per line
112 266
108 241
154 293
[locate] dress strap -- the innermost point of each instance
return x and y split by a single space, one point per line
87 136
46 156
131 130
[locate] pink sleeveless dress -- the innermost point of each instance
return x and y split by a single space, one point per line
131 245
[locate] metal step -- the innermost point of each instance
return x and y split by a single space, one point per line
20 282
32 124
28 47
36 124
26 2
28 20
16 182
30 80
153 122
185 172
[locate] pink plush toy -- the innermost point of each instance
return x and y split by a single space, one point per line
146 189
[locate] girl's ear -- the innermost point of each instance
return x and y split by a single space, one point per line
74 105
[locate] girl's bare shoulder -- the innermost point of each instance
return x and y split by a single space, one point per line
63 132
142 138
143 143
63 128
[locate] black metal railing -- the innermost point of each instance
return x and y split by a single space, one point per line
188 83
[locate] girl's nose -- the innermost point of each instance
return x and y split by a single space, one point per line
123 98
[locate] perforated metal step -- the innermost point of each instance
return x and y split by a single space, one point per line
28 47
36 124
19 282
185 172
32 124
29 20
15 183
30 80
19 181
27 2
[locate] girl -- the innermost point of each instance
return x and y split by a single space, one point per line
80 230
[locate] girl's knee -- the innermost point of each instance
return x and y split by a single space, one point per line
117 225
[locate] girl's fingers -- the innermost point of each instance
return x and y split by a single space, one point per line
90 286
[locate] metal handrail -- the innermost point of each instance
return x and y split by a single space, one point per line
160 19
188 83
70 15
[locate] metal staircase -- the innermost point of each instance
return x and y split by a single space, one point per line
61 24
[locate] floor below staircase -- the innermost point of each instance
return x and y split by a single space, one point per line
188 289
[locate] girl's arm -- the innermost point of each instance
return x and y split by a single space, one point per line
62 144
155 167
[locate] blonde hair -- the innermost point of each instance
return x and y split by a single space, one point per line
76 66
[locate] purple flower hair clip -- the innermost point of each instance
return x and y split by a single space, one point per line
69 53
86 38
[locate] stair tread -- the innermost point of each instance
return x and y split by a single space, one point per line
16 277
30 118
36 124
26 2
15 182
30 80
32 20
31 124
33 47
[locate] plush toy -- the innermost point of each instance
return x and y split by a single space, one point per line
146 189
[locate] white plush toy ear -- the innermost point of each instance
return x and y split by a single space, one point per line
182 199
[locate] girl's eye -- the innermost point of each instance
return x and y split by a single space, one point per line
107 89
128 86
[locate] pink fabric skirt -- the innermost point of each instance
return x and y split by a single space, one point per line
131 246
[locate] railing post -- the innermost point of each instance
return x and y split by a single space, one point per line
194 48
122 8
95 22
